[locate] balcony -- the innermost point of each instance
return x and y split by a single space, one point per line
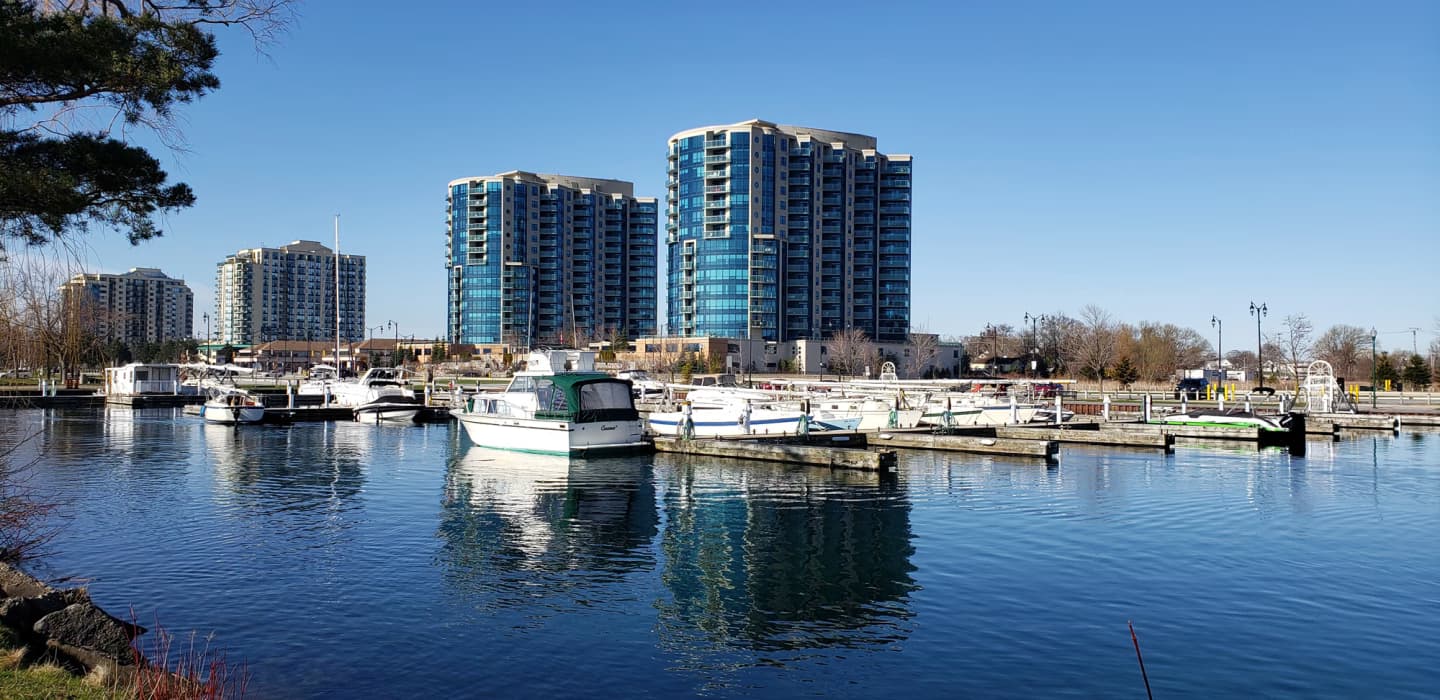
716 143
717 189
718 172
717 159
717 219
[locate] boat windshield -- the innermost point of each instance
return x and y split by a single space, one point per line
597 396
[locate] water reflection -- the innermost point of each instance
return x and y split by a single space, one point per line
526 530
305 480
774 559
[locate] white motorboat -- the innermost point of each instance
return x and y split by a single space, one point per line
378 384
1222 419
967 409
232 407
390 409
641 384
558 405
871 413
716 412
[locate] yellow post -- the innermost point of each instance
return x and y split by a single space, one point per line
1387 385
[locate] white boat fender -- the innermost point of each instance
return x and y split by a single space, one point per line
988 442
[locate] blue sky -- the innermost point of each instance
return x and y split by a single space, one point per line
1164 162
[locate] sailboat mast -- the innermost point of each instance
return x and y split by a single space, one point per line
337 293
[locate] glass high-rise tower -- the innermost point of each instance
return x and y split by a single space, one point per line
535 259
785 232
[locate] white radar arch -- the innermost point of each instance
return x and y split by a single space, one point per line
887 372
1321 393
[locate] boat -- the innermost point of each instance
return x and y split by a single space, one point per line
388 409
1216 418
380 389
642 385
727 412
232 407
559 404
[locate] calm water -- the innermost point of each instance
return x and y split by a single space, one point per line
343 560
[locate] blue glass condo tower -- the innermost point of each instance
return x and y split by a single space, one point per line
785 232
535 259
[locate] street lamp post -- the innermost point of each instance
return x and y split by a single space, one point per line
395 356
994 334
207 336
1219 354
1034 342
1374 369
1257 311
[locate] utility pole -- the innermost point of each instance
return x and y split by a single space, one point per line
1257 312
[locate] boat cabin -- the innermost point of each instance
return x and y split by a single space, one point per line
563 385
139 379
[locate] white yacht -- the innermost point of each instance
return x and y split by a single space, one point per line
558 405
379 395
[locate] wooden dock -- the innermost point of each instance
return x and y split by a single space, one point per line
773 451
1335 422
1010 447
1204 432
1107 436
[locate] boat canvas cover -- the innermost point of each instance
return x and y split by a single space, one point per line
584 398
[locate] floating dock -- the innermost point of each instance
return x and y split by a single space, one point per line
1099 435
774 451
1010 447
1334 422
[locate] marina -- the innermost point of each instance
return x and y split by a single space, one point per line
689 574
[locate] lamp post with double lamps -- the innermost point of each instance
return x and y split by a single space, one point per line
395 352
1258 310
1034 342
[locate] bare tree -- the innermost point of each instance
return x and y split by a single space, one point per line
1295 342
851 351
924 348
1092 349
1343 346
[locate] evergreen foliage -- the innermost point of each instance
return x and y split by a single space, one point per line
1417 373
1125 372
134 63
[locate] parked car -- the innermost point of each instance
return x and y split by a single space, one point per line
1191 388
1047 390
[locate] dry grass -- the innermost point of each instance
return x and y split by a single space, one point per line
193 669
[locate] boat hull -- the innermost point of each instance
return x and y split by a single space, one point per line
387 413
551 436
232 415
726 422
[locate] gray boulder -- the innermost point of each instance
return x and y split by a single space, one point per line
90 634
